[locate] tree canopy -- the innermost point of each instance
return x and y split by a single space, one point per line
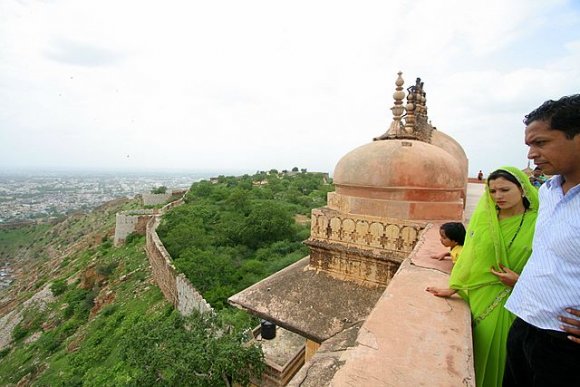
235 231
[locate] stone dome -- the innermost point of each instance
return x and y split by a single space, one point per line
452 147
398 164
399 178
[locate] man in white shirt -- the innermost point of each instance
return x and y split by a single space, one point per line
543 347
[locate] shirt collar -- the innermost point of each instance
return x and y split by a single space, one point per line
554 182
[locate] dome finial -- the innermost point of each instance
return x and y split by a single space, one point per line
416 125
398 109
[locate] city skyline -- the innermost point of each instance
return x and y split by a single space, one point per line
239 87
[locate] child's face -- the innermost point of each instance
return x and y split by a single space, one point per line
446 241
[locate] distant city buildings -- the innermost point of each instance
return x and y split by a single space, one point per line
42 197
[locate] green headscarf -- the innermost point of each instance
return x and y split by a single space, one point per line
487 240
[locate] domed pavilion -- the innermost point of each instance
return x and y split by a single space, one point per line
387 192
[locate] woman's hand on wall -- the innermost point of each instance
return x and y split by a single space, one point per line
505 275
441 292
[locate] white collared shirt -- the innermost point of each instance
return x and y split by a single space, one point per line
550 281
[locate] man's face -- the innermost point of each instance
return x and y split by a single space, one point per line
551 150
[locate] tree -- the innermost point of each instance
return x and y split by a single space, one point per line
268 221
197 350
159 190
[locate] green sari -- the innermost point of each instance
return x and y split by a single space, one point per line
489 242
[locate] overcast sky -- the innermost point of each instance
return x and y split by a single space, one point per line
255 85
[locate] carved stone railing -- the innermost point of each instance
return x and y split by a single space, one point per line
358 247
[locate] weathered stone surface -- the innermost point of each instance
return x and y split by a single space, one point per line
321 369
128 222
412 338
175 286
404 179
150 199
161 265
189 299
362 248
314 304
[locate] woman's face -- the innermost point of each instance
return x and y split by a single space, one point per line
505 194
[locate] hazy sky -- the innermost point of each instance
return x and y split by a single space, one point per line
248 85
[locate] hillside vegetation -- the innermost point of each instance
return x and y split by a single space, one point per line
84 313
235 231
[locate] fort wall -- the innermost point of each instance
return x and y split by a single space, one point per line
151 199
127 222
175 287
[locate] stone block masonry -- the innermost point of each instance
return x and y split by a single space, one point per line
150 199
175 286
188 298
127 222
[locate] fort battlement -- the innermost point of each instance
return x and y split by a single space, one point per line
174 285
133 221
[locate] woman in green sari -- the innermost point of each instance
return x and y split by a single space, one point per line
497 246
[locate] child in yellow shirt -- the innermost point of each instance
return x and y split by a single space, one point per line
452 235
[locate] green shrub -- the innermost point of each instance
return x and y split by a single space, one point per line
5 352
109 309
19 332
106 269
49 342
132 238
159 190
58 287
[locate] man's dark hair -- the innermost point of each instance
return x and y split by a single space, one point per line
562 115
454 231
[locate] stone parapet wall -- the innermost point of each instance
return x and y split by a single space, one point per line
127 222
188 298
174 203
411 338
175 286
151 199
427 334
360 247
164 271
396 236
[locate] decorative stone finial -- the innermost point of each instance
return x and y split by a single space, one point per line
398 109
416 126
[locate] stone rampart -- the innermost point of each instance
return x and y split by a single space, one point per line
175 286
127 222
188 298
164 272
151 199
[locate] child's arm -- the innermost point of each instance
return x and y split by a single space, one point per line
441 256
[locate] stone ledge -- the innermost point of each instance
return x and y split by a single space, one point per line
410 338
